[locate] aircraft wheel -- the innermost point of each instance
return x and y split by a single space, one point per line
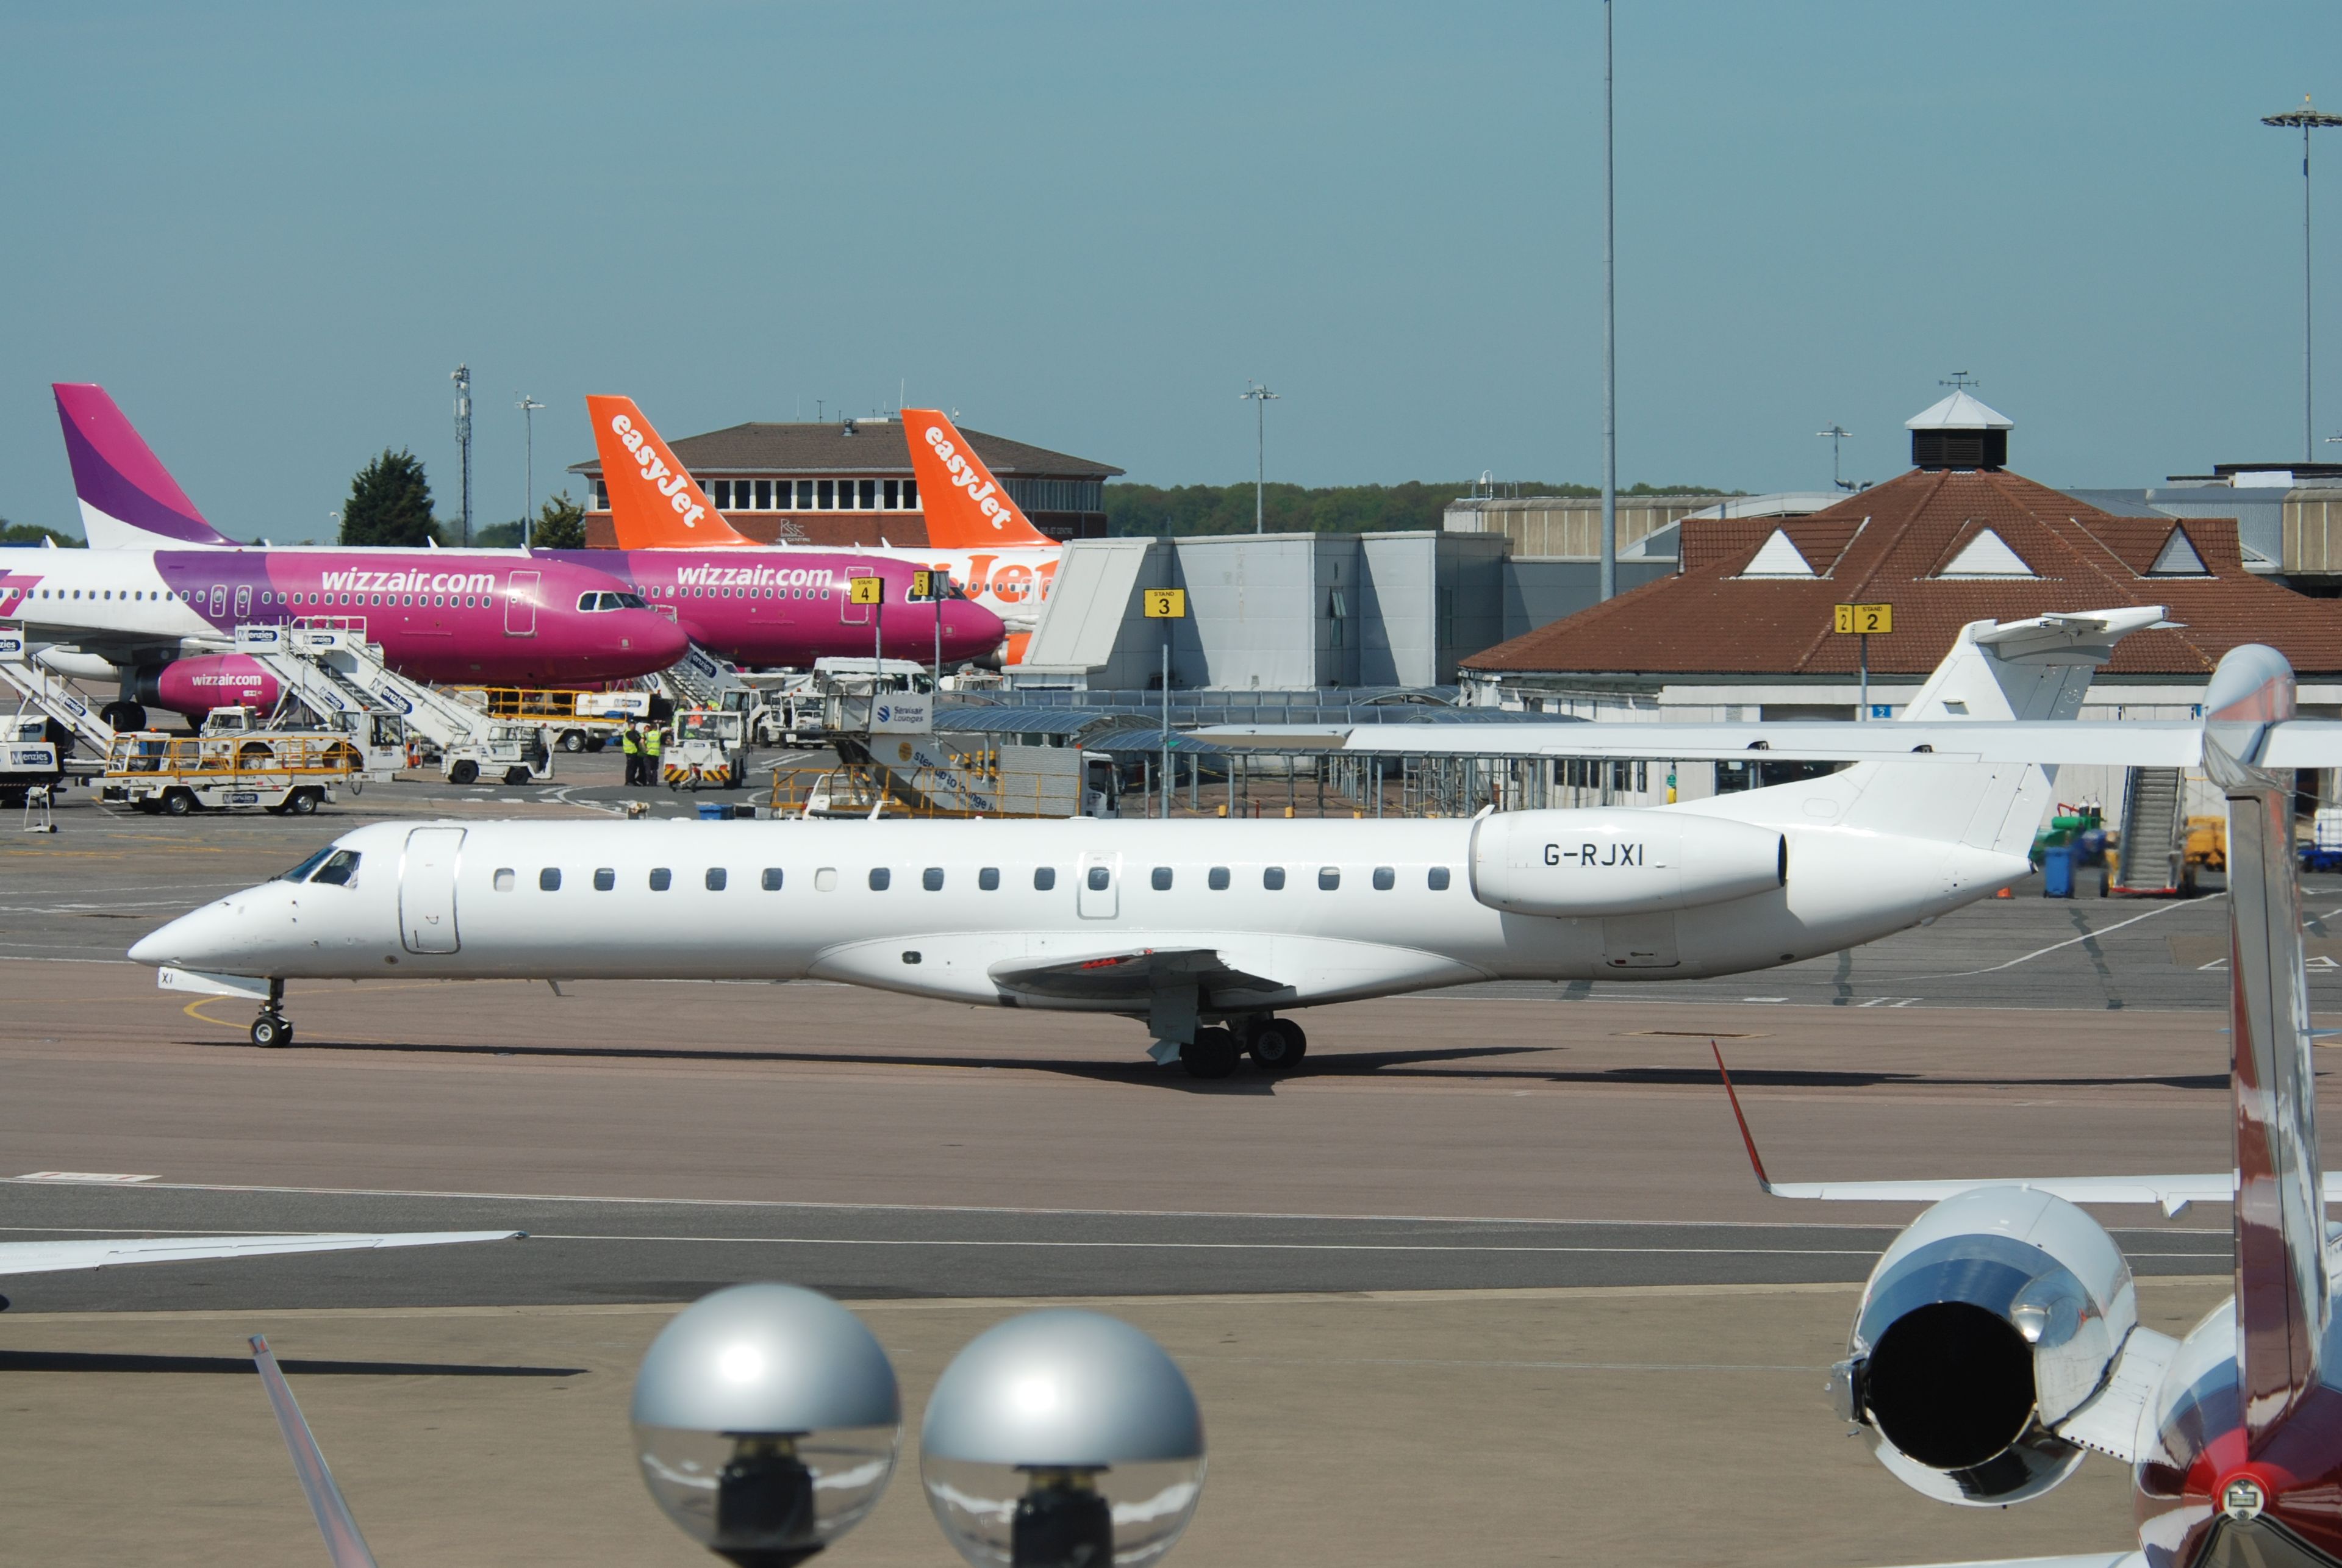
573 741
1212 1056
179 803
272 1030
1278 1044
464 773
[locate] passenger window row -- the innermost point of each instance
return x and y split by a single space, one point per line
1045 878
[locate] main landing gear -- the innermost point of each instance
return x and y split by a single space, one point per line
272 1028
1275 1044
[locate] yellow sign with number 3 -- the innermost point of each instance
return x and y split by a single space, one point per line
1166 603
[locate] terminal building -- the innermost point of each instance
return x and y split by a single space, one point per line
849 482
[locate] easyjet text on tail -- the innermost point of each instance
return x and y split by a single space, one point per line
965 508
654 503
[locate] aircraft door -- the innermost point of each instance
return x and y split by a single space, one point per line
520 604
1101 886
244 600
427 889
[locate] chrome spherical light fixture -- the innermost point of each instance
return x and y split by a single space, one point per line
765 1421
1062 1439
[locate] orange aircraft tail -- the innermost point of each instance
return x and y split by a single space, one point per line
965 508
654 503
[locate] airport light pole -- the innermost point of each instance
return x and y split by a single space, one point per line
528 406
1835 433
1260 397
2309 119
1609 326
461 377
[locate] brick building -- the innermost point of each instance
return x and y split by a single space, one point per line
849 482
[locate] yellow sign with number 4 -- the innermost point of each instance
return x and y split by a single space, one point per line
866 589
1864 620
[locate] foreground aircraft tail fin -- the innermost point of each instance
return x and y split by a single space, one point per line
654 503
965 508
128 499
2037 669
2282 1299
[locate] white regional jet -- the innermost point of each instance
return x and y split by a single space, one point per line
1206 929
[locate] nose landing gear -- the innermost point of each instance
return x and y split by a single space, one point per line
272 1029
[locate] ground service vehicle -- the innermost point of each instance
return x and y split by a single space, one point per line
29 757
575 721
707 751
281 772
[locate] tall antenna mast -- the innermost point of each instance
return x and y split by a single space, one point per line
1260 397
2309 118
1609 583
461 377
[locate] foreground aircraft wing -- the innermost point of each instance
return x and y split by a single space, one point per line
343 1544
48 1257
1134 975
2170 1194
2130 742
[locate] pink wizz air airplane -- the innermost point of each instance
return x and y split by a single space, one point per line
995 557
1998 1343
161 591
756 604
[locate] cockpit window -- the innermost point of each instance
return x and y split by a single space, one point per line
341 871
301 872
630 601
587 601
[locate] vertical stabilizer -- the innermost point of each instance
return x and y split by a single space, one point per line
966 506
2035 669
128 499
2281 1285
654 503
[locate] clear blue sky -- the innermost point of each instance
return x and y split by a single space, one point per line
273 229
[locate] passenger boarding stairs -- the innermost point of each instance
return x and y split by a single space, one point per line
2152 824
698 680
36 684
328 666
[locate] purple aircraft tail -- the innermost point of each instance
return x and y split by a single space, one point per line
128 499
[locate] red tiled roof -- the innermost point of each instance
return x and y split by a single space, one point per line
1886 546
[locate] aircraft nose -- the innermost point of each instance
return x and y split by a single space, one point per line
975 624
659 637
201 939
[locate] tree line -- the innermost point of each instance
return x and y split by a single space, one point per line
390 504
1140 509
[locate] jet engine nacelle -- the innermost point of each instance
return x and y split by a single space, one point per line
1572 863
1990 1321
195 687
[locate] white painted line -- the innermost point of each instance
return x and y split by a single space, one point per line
2085 936
86 1178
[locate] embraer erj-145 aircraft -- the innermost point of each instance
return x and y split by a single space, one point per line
760 606
1204 930
974 531
1998 1342
161 590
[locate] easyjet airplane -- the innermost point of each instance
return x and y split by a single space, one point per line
755 604
974 531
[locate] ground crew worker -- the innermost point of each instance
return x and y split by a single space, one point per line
654 744
630 743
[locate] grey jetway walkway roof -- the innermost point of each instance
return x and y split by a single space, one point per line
1216 721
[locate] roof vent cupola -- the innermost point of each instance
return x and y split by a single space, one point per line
1959 433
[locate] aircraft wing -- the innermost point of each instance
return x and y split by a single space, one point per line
1133 974
2129 743
48 1257
121 647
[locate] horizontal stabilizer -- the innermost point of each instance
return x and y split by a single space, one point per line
49 1257
2132 743
1133 975
2172 1195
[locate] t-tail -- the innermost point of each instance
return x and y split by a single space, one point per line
2282 1298
2038 669
965 508
654 503
128 499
